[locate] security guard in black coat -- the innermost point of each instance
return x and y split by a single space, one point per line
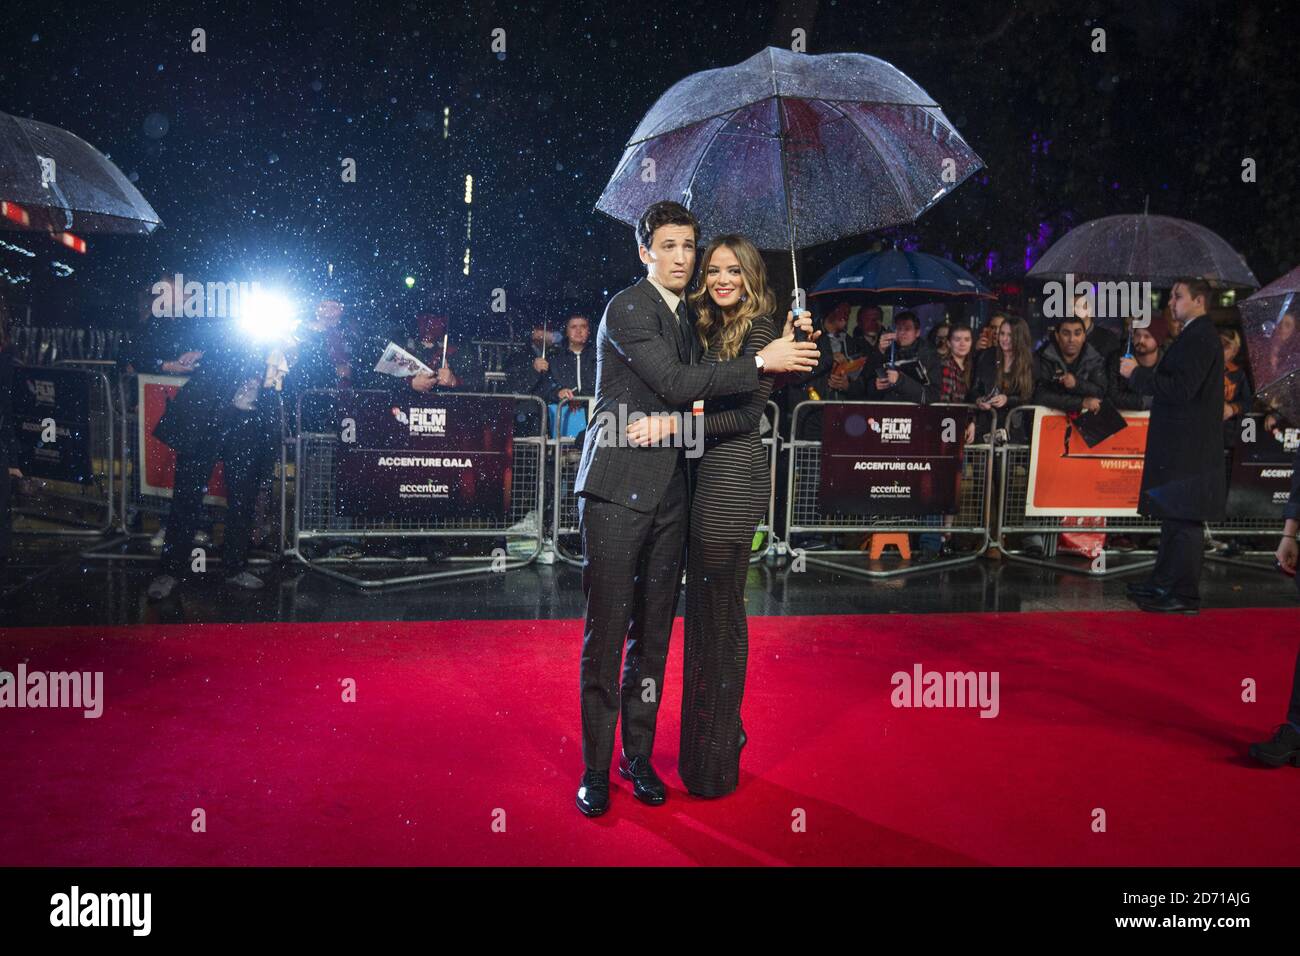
1183 481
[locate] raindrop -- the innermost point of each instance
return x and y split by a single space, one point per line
36 38
156 125
317 85
273 157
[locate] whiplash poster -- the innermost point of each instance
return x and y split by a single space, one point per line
1259 484
1069 479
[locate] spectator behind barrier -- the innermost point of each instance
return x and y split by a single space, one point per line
1147 351
1004 378
461 371
169 343
911 371
1071 374
1102 339
1237 393
572 368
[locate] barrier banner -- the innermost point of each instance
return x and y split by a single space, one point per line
892 459
156 469
1260 481
435 455
51 408
1069 479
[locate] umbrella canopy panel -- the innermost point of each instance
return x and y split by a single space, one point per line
845 142
1156 249
915 276
1269 323
78 189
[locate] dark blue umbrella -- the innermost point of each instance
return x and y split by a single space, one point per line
905 277
792 150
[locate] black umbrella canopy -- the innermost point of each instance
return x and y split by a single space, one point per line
792 150
64 184
1155 249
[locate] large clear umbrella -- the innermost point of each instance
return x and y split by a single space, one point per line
52 180
1269 319
1155 249
792 150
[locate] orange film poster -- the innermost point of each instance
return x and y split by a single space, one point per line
1069 479
156 467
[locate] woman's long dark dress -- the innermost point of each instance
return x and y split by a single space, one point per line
730 498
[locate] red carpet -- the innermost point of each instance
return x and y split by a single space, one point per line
460 723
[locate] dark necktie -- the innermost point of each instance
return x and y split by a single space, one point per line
682 323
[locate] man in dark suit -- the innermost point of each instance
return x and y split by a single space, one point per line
1183 476
633 503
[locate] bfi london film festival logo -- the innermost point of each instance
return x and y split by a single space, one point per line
71 690
892 430
1106 300
422 421
176 298
949 689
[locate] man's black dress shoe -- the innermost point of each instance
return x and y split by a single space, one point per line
593 794
1283 749
646 785
1144 589
1166 603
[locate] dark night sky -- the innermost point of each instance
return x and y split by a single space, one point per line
239 148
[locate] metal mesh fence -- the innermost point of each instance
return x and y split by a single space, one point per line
54 507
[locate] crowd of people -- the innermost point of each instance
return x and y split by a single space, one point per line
996 368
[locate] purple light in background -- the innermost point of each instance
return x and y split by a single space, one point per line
991 261
1037 244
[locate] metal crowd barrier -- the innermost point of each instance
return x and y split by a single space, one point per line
84 510
564 502
1012 519
1268 529
135 504
314 518
804 514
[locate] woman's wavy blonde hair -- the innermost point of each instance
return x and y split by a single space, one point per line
757 298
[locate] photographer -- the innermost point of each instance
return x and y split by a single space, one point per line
229 411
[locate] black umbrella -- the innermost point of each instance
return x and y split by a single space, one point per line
54 181
792 150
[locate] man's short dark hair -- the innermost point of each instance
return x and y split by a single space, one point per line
1071 320
1196 289
664 213
907 317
